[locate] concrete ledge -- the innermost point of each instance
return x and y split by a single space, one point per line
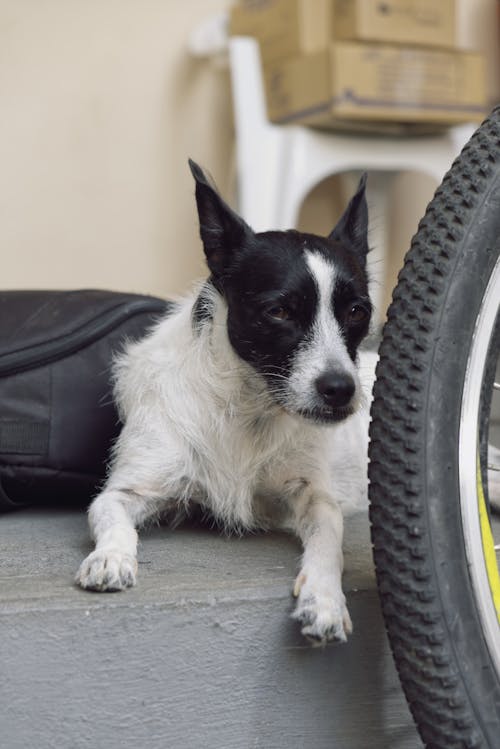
201 654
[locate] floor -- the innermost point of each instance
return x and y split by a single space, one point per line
202 654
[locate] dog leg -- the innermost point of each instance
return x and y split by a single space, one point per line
321 607
113 517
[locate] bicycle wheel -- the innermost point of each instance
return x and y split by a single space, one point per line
431 529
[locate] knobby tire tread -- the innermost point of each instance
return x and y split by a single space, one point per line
434 687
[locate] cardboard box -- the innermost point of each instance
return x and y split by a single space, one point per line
426 22
361 82
284 28
288 28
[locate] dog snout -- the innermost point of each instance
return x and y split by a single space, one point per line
335 388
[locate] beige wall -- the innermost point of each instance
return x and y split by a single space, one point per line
100 107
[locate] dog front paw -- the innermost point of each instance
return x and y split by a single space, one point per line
107 570
322 613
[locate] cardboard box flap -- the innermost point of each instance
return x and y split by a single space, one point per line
425 22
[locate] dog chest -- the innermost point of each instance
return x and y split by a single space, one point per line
243 471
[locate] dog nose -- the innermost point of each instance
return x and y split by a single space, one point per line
335 388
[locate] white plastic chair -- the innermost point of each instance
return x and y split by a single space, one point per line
278 165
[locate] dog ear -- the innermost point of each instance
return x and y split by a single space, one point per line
221 229
352 227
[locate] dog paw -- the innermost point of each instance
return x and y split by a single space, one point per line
323 615
107 570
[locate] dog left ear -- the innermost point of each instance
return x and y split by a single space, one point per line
221 229
352 227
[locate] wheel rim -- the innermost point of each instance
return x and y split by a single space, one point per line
478 536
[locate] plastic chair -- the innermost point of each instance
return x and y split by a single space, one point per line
278 165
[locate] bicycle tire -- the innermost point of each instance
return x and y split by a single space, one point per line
427 596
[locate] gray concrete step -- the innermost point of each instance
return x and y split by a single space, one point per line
202 654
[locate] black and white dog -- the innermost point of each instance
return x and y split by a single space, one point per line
247 399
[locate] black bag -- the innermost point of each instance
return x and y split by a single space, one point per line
57 417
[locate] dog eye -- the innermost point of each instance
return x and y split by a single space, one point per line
278 313
357 314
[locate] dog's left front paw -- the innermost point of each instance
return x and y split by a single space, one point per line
323 614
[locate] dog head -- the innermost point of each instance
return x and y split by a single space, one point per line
298 304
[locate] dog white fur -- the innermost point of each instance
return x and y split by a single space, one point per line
200 426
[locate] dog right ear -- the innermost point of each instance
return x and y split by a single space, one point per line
222 231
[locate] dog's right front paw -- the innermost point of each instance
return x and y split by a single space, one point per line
107 570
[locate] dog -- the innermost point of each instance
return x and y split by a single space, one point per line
247 400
